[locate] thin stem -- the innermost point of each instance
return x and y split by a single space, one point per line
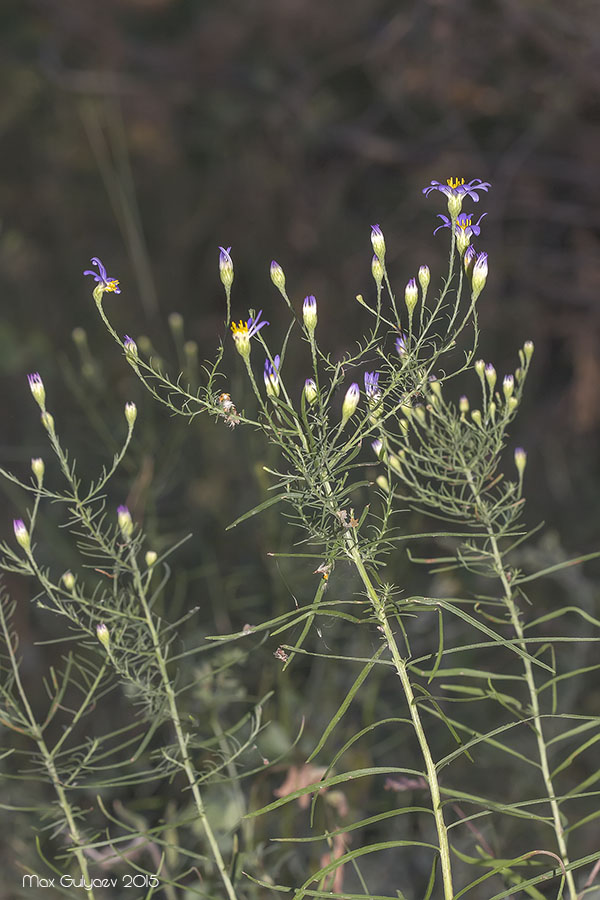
37 737
530 679
535 707
401 669
181 738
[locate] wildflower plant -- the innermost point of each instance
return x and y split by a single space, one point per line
444 459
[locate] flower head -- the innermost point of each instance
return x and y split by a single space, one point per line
464 226
424 278
38 468
21 533
350 402
226 267
411 296
372 386
36 386
310 390
378 242
105 282
243 331
272 376
277 275
103 635
130 345
455 189
130 413
309 313
479 275
401 344
125 521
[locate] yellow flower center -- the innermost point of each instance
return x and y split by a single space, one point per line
464 224
111 285
239 330
455 182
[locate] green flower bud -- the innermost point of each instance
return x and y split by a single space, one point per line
21 534
151 557
476 416
309 313
480 367
103 635
130 413
310 391
38 468
68 579
125 521
225 268
511 404
176 324
48 422
463 404
492 411
424 278
528 350
277 276
411 296
377 271
382 482
508 386
36 386
350 402
378 242
520 460
490 376
479 276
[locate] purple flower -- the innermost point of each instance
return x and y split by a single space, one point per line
378 242
130 345
107 283
372 385
456 187
464 224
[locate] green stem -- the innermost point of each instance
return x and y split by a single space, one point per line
535 707
530 679
181 738
47 756
401 669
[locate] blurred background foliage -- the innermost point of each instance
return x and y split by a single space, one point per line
148 132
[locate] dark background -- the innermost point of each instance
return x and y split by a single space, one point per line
148 132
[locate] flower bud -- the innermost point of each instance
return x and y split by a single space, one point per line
47 421
350 402
490 377
36 386
528 350
151 557
462 240
103 635
480 367
68 579
21 534
436 387
401 344
508 386
377 271
394 462
411 296
176 324
310 391
512 404
277 276
38 468
125 521
130 346
476 416
424 278
226 268
479 276
130 413
309 313
378 242
421 415
383 483
520 460
492 411
469 260
377 446
271 375
463 404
